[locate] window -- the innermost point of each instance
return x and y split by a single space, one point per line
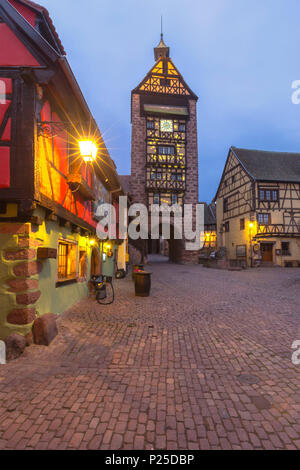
268 195
67 260
226 227
174 199
242 224
241 251
233 179
285 249
166 150
156 198
225 205
181 128
177 177
166 199
264 219
155 175
150 124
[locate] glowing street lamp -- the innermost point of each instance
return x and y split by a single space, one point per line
88 150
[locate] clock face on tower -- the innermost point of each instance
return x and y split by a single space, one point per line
166 125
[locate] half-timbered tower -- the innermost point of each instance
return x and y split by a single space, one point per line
164 140
258 208
48 187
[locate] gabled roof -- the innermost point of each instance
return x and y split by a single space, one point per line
209 217
164 68
43 50
261 165
269 166
44 12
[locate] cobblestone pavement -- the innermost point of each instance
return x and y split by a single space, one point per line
204 363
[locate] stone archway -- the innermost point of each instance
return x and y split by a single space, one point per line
173 247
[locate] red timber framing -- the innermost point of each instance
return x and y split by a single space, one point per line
43 116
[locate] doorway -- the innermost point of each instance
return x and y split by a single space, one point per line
95 263
266 252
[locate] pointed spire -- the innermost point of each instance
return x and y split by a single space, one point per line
161 50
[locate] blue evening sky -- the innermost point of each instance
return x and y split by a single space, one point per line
239 56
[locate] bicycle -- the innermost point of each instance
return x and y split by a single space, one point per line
103 285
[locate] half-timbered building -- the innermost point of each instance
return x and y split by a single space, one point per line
49 181
164 158
258 208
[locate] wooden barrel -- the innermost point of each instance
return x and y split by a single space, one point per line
136 266
142 284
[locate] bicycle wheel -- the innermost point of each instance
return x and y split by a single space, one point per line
110 295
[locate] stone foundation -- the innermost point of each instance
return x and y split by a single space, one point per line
19 282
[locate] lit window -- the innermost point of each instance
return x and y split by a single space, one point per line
156 199
174 199
67 260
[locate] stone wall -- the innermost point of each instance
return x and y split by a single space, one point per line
138 154
19 284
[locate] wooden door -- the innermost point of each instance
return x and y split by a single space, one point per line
95 263
267 252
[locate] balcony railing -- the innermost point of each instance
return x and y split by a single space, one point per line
165 184
278 230
170 136
165 160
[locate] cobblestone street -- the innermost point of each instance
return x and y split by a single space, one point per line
204 363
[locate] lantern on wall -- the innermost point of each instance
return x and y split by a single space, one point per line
88 150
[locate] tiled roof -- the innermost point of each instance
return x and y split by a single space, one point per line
270 166
44 10
209 218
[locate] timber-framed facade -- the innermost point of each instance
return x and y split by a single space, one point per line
258 208
48 192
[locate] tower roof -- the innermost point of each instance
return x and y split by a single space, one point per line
161 50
